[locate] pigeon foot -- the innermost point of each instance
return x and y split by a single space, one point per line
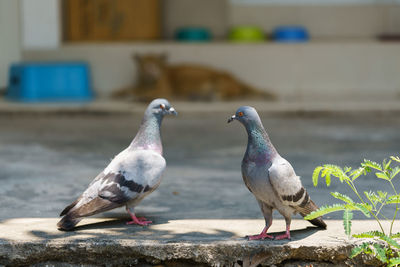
139 221
284 236
261 236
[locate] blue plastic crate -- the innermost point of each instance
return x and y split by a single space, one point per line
49 81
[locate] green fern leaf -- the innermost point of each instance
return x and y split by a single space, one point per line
372 164
364 208
395 158
371 196
394 262
386 165
342 197
324 210
390 241
335 171
325 170
328 179
357 173
357 250
316 175
380 253
370 234
380 235
382 175
395 171
396 235
395 199
347 216
382 196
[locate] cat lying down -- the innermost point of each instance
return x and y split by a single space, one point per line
157 79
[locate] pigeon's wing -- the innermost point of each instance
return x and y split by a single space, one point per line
287 184
289 189
130 175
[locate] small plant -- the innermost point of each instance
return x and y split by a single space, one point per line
370 204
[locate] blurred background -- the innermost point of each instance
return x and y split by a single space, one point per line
301 50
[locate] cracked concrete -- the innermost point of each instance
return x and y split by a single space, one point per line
108 241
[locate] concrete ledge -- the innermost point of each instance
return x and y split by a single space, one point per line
109 107
109 242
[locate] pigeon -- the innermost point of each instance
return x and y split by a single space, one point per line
270 177
132 175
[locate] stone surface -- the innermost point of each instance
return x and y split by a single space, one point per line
108 241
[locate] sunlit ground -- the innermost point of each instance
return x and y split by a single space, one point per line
47 161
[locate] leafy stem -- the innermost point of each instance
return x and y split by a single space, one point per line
362 200
371 206
396 210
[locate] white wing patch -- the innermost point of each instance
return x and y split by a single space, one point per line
286 183
143 168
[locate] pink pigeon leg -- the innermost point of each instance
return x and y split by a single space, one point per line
262 235
140 221
285 235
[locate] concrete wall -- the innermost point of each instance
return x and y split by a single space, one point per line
41 24
319 70
10 49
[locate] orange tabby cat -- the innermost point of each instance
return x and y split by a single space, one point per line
156 78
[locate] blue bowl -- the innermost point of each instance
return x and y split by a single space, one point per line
290 34
49 81
193 34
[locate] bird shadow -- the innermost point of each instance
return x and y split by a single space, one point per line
118 229
296 234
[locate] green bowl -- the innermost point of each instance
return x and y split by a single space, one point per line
246 34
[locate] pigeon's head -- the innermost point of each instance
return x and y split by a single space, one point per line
245 115
161 106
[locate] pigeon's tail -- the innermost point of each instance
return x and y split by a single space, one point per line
318 222
307 209
67 223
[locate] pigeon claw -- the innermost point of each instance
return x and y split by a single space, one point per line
139 221
284 236
259 237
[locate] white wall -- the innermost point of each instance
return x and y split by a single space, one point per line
311 71
10 50
41 24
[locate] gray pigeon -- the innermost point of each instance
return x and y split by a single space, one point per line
131 175
270 177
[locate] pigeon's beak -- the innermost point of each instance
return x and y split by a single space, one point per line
172 111
232 118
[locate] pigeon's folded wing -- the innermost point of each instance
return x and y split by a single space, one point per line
289 189
127 177
287 184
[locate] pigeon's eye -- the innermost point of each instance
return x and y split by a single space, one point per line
240 114
162 106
